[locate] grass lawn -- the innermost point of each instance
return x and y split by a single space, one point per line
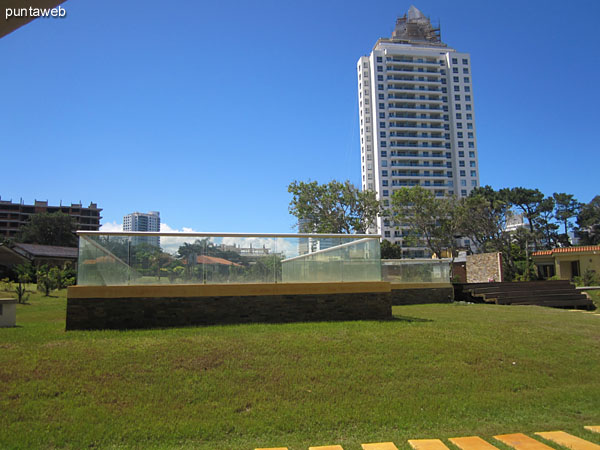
436 371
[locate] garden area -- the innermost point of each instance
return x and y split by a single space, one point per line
433 371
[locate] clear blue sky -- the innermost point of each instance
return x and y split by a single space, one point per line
206 111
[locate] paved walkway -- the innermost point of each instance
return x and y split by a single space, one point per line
517 441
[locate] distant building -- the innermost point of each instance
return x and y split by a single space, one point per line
514 222
14 215
143 222
417 119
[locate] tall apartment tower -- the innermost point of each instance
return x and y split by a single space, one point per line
417 121
143 222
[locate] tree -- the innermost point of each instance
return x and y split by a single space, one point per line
433 222
484 222
545 228
528 201
49 229
334 207
390 250
566 208
588 222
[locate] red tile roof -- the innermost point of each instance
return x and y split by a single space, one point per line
203 259
584 248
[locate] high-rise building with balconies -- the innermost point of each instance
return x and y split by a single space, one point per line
143 222
417 121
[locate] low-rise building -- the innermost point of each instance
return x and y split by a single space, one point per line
568 262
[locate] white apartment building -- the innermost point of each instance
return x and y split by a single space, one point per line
417 120
143 222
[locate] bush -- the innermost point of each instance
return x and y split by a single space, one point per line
589 278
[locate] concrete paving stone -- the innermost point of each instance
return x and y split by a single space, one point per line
472 443
427 444
594 428
568 440
379 446
520 441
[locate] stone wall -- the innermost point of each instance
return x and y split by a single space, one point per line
422 295
484 267
161 312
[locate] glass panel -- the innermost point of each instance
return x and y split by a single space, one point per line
126 259
416 270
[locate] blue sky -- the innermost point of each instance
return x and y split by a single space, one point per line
207 111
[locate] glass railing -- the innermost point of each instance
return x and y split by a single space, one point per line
138 258
415 270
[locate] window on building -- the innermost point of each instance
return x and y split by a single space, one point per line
382 106
382 125
471 154
474 183
456 88
461 164
465 70
461 154
455 70
457 98
384 182
384 163
469 126
457 106
382 115
384 173
463 173
473 173
380 87
465 61
379 59
471 145
386 193
455 79
459 125
448 155
382 144
468 107
463 182
379 77
379 68
461 144
471 163
467 98
467 89
386 233
454 60
469 116
463 192
380 96
459 135
466 79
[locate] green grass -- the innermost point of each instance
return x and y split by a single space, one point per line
436 371
595 295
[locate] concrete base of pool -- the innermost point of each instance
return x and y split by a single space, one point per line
161 306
